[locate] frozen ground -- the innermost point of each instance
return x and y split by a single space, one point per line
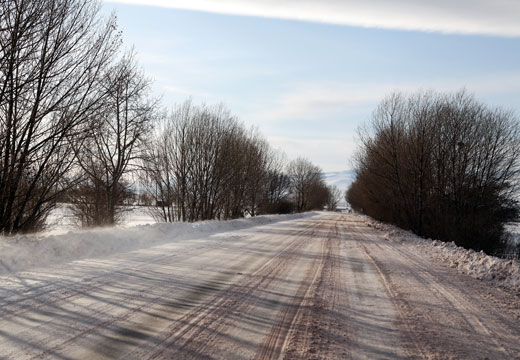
324 286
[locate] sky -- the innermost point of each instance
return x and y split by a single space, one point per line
308 73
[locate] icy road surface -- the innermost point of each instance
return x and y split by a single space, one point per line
321 287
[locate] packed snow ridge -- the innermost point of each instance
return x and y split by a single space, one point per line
475 264
25 252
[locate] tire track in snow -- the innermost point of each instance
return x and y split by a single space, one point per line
319 327
441 288
209 319
126 300
276 342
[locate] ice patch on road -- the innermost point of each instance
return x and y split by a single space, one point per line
24 252
475 264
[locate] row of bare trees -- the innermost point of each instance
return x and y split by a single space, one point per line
76 120
442 165
203 164
54 59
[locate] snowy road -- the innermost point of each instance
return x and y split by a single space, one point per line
327 286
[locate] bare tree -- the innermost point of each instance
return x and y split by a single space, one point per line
244 161
277 186
258 159
114 146
334 196
159 173
52 56
308 186
185 170
203 164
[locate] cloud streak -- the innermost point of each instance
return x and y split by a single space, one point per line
314 100
331 154
486 17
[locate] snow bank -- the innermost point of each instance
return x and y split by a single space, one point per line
23 252
475 264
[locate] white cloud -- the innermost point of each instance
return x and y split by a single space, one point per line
319 100
329 154
491 17
316 100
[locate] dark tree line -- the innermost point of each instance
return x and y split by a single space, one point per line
442 165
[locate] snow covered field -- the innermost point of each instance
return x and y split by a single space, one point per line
61 219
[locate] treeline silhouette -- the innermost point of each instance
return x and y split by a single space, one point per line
444 166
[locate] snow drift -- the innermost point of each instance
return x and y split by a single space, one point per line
475 264
24 252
